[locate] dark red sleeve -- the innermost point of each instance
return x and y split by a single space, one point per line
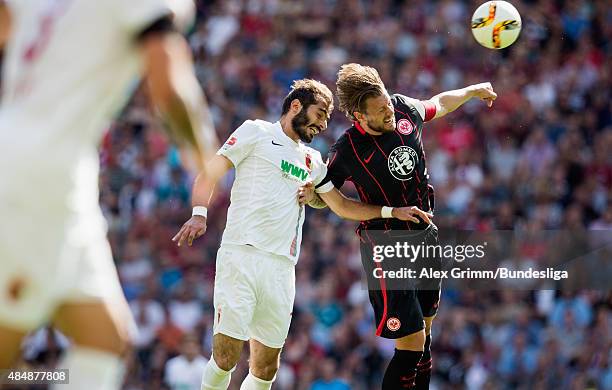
430 110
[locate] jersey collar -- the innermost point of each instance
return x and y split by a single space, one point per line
282 134
359 128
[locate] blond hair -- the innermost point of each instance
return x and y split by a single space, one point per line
355 84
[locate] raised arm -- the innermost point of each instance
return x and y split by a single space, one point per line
357 211
202 192
449 101
175 91
5 23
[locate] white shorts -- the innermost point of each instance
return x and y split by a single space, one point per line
254 294
45 262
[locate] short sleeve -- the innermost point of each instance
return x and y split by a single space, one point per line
319 173
336 174
241 143
137 15
425 108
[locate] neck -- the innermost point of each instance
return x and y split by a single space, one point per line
285 123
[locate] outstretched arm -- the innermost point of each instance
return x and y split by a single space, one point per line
357 211
449 101
202 192
175 91
5 23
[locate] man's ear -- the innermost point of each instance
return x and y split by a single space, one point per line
296 106
358 116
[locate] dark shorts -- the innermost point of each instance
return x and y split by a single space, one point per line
401 303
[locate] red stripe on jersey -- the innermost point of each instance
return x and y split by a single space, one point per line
378 146
383 288
430 110
366 169
386 157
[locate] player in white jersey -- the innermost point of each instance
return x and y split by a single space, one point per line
69 65
255 280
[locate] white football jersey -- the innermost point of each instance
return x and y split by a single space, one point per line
69 66
270 167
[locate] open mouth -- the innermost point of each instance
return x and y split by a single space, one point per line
389 121
315 130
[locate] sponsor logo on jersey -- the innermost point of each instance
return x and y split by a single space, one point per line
292 170
229 143
404 126
402 162
393 324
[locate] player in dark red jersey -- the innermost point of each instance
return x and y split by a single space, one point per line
382 155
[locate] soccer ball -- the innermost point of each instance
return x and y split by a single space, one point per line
496 24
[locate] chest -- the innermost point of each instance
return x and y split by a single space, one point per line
394 156
284 162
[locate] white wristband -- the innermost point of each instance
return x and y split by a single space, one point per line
200 210
386 212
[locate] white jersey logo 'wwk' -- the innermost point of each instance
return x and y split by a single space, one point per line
270 168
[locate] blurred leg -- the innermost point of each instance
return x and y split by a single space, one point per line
100 334
10 340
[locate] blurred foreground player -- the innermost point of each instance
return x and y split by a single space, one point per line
255 266
382 154
69 65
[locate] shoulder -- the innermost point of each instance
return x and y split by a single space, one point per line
255 127
344 141
408 105
314 154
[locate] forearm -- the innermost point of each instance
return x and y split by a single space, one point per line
204 184
357 211
348 208
179 99
317 202
5 23
449 101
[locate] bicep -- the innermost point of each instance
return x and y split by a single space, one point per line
218 166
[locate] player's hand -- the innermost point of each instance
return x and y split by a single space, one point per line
484 91
192 229
411 213
306 193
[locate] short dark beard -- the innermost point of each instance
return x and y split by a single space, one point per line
379 129
299 123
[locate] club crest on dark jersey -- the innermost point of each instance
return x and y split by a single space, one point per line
402 162
404 126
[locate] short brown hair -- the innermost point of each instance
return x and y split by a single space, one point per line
309 92
355 84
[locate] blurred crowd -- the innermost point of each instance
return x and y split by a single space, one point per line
538 159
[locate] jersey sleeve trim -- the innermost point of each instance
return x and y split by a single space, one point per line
162 25
323 188
430 110
223 152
